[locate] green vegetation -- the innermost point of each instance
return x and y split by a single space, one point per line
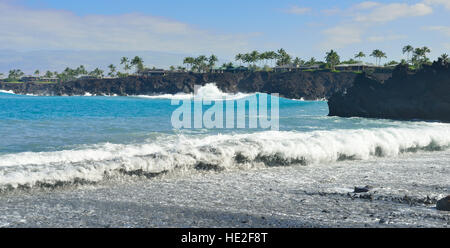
378 54
391 63
254 61
112 70
126 64
445 59
201 63
138 63
420 58
408 49
332 59
360 55
13 81
15 75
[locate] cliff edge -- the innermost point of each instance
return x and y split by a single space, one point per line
295 85
407 95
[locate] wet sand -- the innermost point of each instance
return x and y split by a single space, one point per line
403 193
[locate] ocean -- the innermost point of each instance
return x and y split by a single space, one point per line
66 144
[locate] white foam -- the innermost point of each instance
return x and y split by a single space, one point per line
175 151
208 92
7 91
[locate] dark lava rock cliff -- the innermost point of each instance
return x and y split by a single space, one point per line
406 95
307 85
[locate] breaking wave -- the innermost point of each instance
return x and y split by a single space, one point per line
215 152
7 91
207 92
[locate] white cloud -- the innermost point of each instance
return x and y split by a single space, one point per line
22 28
384 38
364 16
298 10
441 29
445 3
365 5
383 13
341 36
332 11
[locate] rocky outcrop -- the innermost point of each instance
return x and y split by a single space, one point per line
443 204
307 85
406 95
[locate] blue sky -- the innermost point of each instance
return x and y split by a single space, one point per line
304 28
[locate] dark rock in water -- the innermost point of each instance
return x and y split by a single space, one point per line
443 204
301 84
407 95
364 189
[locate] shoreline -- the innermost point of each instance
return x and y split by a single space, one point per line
403 195
291 85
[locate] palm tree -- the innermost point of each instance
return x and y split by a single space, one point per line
81 70
444 58
227 66
254 57
378 54
246 58
264 57
298 62
200 63
189 61
96 73
426 50
124 61
420 56
112 70
332 59
283 57
360 55
15 74
239 57
311 61
138 63
408 49
212 61
48 74
272 55
36 73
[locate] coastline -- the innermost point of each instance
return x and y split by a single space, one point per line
403 195
291 85
420 95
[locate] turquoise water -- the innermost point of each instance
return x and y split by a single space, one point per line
30 123
53 139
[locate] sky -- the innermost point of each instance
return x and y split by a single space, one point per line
176 28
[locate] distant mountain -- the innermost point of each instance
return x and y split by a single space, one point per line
58 60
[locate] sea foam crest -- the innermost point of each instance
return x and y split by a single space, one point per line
218 152
209 91
7 91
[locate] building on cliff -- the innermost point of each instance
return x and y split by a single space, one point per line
152 72
294 67
29 79
357 67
